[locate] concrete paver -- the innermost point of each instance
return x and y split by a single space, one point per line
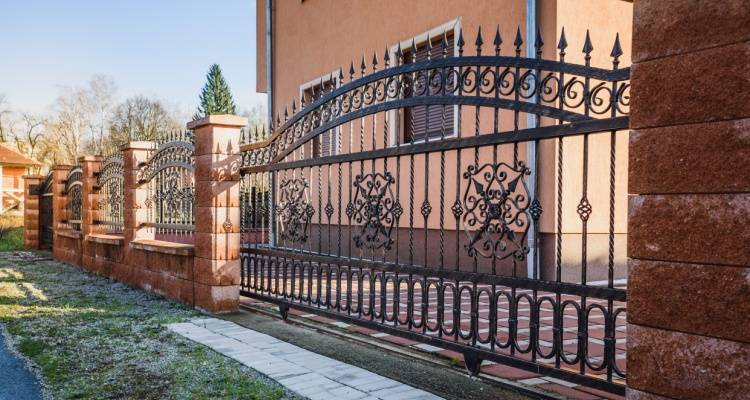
301 371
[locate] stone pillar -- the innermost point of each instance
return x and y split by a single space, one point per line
31 211
59 174
59 198
135 211
217 212
689 208
90 165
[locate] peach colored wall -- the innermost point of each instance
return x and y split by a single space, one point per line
314 38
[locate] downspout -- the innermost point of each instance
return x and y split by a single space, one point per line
269 97
531 122
269 60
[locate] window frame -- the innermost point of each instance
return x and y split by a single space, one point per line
325 79
398 130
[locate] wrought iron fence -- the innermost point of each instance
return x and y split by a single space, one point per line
110 182
497 231
74 200
169 173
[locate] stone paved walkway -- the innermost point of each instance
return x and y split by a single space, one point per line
301 371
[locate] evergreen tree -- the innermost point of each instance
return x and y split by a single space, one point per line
215 98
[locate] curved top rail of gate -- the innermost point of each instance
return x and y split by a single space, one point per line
74 204
592 98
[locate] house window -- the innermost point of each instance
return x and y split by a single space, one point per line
422 122
324 144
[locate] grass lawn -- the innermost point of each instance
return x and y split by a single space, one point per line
94 338
11 233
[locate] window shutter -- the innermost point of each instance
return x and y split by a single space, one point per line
428 121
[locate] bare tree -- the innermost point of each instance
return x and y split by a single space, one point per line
27 138
67 128
101 96
7 120
139 118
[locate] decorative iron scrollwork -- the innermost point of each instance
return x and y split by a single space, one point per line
171 178
174 195
374 207
496 205
171 154
110 182
74 204
294 210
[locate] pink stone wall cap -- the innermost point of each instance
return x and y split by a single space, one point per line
32 177
90 158
61 167
219 119
138 145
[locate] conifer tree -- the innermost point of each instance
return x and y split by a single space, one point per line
215 98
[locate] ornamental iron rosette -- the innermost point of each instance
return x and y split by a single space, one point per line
496 211
374 207
294 210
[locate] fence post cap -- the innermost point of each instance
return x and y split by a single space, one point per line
89 158
32 177
218 119
138 145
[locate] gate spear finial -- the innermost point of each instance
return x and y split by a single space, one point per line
616 51
518 42
498 40
479 42
460 42
538 43
562 44
587 48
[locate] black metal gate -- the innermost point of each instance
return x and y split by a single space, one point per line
45 213
468 202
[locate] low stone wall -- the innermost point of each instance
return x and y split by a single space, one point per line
205 275
68 247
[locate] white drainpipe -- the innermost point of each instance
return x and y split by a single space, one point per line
531 122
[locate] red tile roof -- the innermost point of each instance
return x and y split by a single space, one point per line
13 156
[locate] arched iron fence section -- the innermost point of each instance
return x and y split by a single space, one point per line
439 239
169 173
74 200
109 183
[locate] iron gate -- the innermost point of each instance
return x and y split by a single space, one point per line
488 227
45 213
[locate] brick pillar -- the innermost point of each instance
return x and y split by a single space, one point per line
135 211
689 208
90 165
31 211
59 198
217 212
59 173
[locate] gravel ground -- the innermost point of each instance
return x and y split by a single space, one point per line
89 337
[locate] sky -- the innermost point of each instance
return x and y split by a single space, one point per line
158 48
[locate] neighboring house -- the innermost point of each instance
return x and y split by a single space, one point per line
313 40
13 166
